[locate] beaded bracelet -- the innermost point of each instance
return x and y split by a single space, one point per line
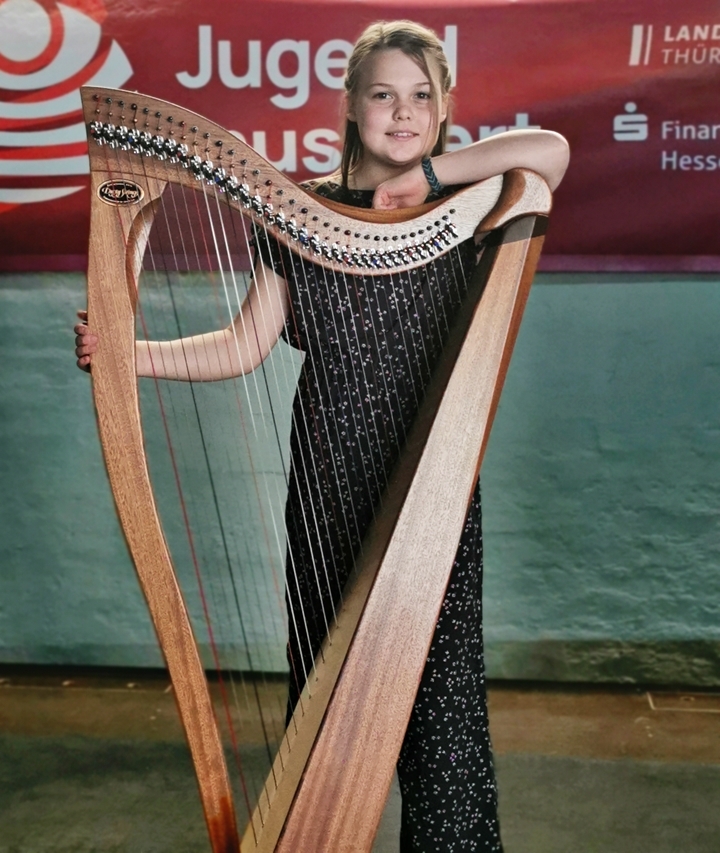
435 185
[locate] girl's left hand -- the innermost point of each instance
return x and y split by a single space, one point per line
405 190
86 342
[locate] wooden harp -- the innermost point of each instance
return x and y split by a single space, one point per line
334 767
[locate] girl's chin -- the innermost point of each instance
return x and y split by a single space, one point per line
404 156
399 147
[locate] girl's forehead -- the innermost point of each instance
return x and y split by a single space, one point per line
391 65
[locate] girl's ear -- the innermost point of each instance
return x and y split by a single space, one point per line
349 107
444 108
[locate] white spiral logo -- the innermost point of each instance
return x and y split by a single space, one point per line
46 53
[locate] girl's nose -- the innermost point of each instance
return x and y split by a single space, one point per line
402 109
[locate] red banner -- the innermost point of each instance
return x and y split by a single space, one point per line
632 84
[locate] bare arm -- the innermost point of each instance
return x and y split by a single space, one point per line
233 351
541 151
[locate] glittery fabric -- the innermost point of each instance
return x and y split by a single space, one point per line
370 344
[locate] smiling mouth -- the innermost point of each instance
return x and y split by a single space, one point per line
402 134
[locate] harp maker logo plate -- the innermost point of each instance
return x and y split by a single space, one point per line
120 192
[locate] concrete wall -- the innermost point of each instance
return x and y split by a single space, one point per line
601 489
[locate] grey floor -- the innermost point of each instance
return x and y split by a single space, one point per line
75 793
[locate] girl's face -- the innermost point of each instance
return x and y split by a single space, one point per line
395 111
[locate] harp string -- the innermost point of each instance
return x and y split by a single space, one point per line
232 309
228 275
324 470
271 363
331 469
366 427
416 351
213 644
299 620
222 248
191 539
216 242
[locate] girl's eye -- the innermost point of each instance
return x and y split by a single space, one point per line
381 96
424 96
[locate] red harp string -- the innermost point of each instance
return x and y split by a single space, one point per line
175 249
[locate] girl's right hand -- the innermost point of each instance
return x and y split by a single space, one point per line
85 343
404 190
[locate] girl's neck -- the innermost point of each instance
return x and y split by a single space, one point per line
369 175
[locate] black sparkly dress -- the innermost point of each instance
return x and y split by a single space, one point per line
370 344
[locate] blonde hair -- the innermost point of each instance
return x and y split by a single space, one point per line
419 43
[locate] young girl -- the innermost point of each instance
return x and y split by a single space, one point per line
367 361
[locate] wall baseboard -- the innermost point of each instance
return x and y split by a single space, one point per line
671 662
681 662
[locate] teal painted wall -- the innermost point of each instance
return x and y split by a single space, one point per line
601 490
602 485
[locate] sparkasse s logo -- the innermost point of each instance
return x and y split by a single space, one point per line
49 49
630 125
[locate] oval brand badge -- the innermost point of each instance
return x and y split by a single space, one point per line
120 192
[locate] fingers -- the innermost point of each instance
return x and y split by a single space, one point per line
85 342
391 195
85 345
83 349
382 200
85 339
